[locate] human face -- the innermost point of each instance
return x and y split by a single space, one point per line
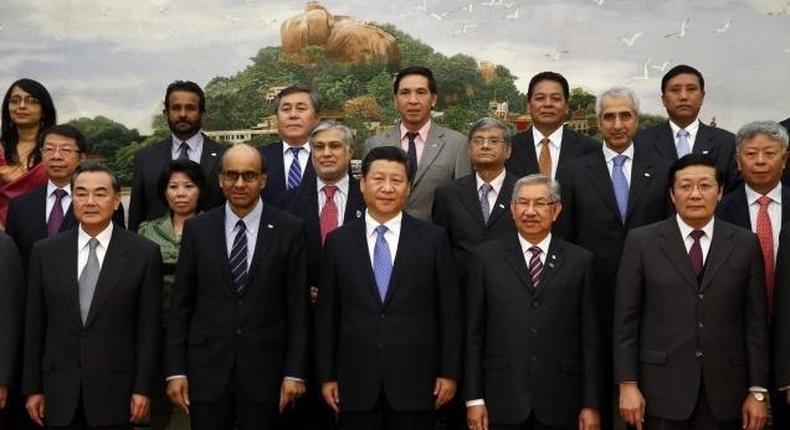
385 189
296 116
618 122
242 193
683 98
488 150
534 211
414 101
761 161
60 155
182 194
94 201
695 193
548 105
331 156
183 114
24 109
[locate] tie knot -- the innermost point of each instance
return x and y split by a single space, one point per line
486 188
412 135
93 243
696 235
381 229
59 193
764 201
545 141
683 133
330 190
295 150
241 225
535 250
619 160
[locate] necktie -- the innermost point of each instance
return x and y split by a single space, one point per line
535 266
620 185
382 262
695 252
295 171
683 143
766 236
484 190
412 152
184 154
88 279
328 216
238 258
544 159
56 214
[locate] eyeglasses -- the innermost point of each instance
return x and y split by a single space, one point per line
28 100
539 204
231 176
65 151
688 188
493 141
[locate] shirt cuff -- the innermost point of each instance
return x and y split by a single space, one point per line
293 378
170 378
475 402
757 389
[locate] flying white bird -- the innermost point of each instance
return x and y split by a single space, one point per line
645 73
629 41
437 16
555 56
468 8
423 7
682 32
725 28
662 67
598 2
513 15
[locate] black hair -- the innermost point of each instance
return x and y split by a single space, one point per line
388 153
415 70
96 166
192 170
9 136
682 69
549 76
694 160
64 130
189 87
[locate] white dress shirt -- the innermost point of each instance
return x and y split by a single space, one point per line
65 202
195 145
340 198
704 241
392 235
83 250
774 211
609 155
693 128
252 221
555 143
288 157
496 187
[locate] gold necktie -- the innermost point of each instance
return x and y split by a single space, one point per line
544 159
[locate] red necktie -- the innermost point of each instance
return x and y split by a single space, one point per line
765 234
328 217
695 252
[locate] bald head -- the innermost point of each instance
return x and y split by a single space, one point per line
244 151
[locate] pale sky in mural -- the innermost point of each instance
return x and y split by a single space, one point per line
115 58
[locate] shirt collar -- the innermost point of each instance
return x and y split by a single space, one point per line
423 131
692 128
775 194
685 229
543 244
287 146
51 187
609 154
251 220
393 224
555 138
193 142
495 183
342 185
103 237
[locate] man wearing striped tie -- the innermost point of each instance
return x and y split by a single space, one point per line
533 344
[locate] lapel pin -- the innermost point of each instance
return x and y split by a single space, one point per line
214 154
359 214
647 174
705 152
501 206
553 257
269 226
551 265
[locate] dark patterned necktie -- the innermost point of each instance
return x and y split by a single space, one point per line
238 258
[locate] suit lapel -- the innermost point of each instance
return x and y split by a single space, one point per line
67 271
568 147
275 166
515 259
111 269
355 205
208 158
641 177
433 145
785 204
720 248
69 221
554 260
704 143
470 198
528 156
671 244
502 203
359 234
221 250
267 227
740 208
40 211
665 143
407 242
598 175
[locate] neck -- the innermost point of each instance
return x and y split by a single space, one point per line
332 181
94 229
28 134
547 129
300 141
535 239
488 174
60 183
683 123
241 212
697 224
414 127
763 189
381 218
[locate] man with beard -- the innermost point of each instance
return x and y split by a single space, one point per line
184 108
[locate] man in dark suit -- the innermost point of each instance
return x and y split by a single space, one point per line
46 211
11 304
438 153
237 334
185 104
387 326
93 309
682 93
691 322
786 176
547 144
288 161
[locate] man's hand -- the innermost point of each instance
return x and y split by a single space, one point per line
477 417
331 395
589 419
754 414
444 391
36 404
290 390
138 407
178 391
632 405
3 396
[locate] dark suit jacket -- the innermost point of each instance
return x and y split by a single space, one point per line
115 353
11 310
261 332
145 203
456 207
524 160
786 175
276 175
734 208
302 201
781 322
521 357
401 345
719 144
27 221
673 333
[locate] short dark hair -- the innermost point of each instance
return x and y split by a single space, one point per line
387 153
299 88
193 171
693 160
549 76
189 87
415 70
682 69
96 166
9 136
64 130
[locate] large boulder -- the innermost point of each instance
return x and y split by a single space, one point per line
312 27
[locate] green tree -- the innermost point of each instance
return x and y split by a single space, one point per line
648 120
581 99
104 135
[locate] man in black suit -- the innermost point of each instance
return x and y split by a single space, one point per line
388 329
691 322
547 143
93 309
237 334
288 161
46 211
682 93
786 176
185 104
11 304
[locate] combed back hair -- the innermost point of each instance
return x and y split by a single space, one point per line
549 76
415 70
192 170
617 93
189 87
487 123
682 69
693 160
64 130
299 88
387 153
348 135
236 147
538 178
771 129
92 166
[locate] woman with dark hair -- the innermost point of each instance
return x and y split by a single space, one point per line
27 111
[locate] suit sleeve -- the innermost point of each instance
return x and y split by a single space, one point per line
11 227
781 324
182 304
149 325
136 200
297 314
10 308
463 166
756 321
450 323
475 328
118 217
327 314
628 311
35 323
592 342
439 213
565 226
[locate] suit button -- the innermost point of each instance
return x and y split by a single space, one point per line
534 331
534 359
701 296
535 304
239 331
698 354
381 316
701 324
240 302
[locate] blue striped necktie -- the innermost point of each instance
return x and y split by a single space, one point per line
238 258
295 171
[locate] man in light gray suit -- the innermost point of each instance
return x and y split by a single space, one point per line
438 153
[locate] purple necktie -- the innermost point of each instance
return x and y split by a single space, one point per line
535 266
695 252
56 214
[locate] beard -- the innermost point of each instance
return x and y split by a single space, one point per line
185 128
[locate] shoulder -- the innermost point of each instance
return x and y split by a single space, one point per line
739 233
382 137
651 132
59 241
522 137
154 147
574 252
719 133
272 148
449 133
213 145
455 185
576 137
29 198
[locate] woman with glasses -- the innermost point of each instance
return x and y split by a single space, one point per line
27 111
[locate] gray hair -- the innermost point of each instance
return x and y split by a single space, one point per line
771 129
94 166
348 135
617 93
299 88
538 178
486 123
